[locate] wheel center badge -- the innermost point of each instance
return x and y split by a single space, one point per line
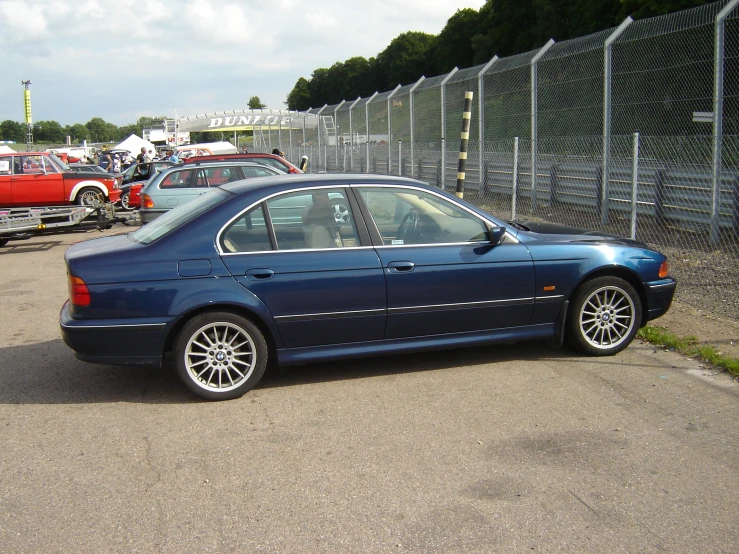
606 317
220 356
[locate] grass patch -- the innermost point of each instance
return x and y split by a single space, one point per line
690 347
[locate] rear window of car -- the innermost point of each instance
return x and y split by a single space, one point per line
174 219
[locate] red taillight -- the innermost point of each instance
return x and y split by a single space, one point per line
79 294
146 201
664 270
294 170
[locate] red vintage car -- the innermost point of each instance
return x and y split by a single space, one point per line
41 179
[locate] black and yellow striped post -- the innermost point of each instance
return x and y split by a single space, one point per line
466 117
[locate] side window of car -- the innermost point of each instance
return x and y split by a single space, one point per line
273 163
32 164
313 220
408 216
176 179
247 233
202 177
253 171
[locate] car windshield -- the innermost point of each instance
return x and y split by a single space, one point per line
182 215
59 163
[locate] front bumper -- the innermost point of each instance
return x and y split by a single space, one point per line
659 297
138 341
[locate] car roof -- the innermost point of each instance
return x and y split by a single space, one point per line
292 181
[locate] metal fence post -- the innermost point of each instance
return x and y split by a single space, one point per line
607 70
634 183
390 132
443 126
336 131
413 125
366 115
305 152
514 186
318 126
718 120
351 135
534 117
400 157
481 114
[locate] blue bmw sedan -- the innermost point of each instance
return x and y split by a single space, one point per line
318 267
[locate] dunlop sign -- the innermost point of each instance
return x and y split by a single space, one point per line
245 120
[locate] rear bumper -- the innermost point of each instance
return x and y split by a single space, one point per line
114 195
119 342
659 297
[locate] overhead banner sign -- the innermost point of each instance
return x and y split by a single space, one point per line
244 120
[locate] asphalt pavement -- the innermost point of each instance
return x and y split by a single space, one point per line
515 448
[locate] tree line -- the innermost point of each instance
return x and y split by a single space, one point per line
470 37
95 130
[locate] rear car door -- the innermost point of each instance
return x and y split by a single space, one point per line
442 273
320 278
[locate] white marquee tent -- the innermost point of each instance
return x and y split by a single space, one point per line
134 143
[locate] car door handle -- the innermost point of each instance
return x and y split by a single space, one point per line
15 178
259 274
401 266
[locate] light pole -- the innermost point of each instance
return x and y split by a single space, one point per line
29 119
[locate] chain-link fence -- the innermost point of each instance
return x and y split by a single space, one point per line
633 130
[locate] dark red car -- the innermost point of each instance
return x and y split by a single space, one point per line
271 160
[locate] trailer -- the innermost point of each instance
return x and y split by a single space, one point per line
22 223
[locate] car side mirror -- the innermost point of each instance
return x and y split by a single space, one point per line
496 235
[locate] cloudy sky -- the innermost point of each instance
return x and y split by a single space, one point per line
121 59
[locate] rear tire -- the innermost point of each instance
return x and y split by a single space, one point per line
220 355
124 202
605 315
88 196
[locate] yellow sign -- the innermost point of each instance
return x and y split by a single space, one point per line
27 103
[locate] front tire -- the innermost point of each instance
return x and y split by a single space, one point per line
220 355
605 315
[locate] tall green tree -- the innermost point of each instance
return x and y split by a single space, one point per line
404 60
49 131
299 97
101 130
255 103
12 130
453 46
77 132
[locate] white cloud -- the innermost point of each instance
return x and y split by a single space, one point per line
21 22
122 58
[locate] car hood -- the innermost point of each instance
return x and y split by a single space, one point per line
552 232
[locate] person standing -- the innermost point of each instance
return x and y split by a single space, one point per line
173 157
142 158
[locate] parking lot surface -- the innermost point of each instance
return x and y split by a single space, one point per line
504 449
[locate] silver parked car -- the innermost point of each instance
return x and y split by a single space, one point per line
177 185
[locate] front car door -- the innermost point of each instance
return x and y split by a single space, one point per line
36 181
443 275
319 277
